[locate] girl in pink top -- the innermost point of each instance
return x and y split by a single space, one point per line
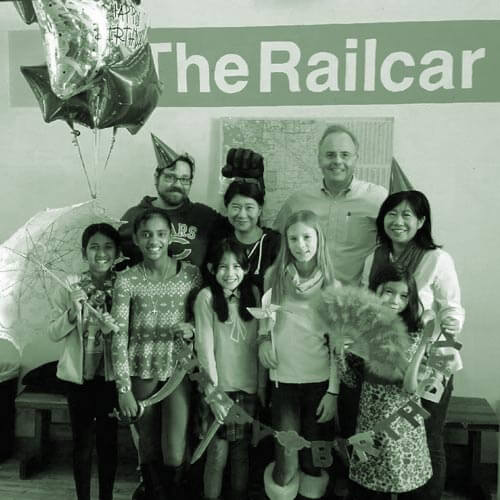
226 344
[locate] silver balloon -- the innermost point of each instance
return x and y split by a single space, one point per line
81 37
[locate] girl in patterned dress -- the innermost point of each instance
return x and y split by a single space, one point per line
85 362
226 344
299 356
403 464
150 309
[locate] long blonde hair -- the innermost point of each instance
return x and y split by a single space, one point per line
276 276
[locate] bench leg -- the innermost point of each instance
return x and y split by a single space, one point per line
474 444
34 458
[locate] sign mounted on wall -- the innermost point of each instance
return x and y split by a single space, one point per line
445 61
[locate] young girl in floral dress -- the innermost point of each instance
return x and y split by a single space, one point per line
403 464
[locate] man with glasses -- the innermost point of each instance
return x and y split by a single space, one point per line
193 224
346 206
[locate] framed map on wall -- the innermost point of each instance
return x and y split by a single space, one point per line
290 148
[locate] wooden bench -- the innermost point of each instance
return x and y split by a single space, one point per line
42 404
474 415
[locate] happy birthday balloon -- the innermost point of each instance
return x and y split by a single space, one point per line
81 37
126 94
26 11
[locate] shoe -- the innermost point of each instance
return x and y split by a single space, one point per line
152 475
139 492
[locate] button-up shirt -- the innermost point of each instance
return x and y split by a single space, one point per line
347 220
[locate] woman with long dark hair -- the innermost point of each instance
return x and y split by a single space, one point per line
405 238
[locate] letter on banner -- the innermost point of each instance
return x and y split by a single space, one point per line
259 432
362 445
291 441
431 389
385 426
440 362
322 453
415 409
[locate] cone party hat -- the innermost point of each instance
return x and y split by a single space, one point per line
165 156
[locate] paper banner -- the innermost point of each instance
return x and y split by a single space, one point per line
363 443
291 441
238 415
322 453
414 409
259 432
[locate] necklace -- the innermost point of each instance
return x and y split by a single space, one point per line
154 300
98 297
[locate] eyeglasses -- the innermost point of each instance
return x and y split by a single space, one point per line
343 155
172 179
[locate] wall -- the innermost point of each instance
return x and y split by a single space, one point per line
449 151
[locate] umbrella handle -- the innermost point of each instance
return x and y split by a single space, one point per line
98 315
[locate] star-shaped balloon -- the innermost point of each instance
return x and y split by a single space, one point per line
26 11
127 93
124 95
74 109
81 37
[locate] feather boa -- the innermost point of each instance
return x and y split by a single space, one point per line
364 326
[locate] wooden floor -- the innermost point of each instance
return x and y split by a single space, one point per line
55 482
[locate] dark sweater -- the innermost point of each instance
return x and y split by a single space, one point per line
194 226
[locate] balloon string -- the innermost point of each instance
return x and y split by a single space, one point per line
97 177
76 133
111 146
